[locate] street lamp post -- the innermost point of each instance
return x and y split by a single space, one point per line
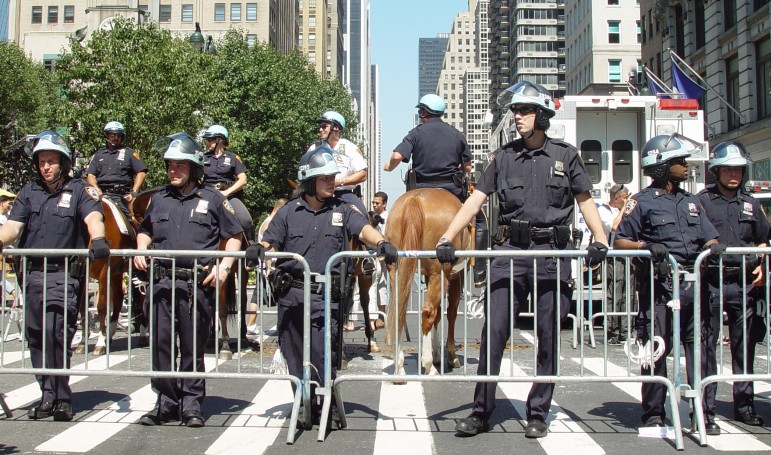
200 44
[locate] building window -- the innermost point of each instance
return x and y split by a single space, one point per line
311 21
187 13
251 40
613 2
235 12
729 13
219 12
251 11
69 14
37 14
614 71
311 39
53 14
639 33
312 58
700 38
763 52
49 61
732 90
164 14
760 4
614 32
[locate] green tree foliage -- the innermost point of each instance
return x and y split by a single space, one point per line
27 103
144 77
156 84
269 105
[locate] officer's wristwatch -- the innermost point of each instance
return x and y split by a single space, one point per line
134 193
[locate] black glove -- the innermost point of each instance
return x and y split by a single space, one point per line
99 249
716 249
658 251
595 253
255 254
387 251
445 252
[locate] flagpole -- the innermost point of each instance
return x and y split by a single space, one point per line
672 54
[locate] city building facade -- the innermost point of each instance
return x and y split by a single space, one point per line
727 43
430 59
42 27
602 43
321 36
476 84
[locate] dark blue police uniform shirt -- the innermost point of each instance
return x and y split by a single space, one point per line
436 148
536 185
316 236
739 220
222 169
677 221
197 221
116 167
55 220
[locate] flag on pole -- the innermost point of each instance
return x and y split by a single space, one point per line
656 85
684 84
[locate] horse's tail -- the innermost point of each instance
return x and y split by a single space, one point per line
411 235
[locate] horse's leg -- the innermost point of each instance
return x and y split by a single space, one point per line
365 282
139 319
453 299
82 308
431 315
101 311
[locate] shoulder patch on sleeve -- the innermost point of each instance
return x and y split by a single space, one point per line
238 157
136 154
353 207
228 207
91 191
631 204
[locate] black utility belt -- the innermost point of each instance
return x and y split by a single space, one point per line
179 273
116 189
435 179
77 268
356 191
730 272
220 186
522 233
281 282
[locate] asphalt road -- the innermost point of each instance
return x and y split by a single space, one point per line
251 416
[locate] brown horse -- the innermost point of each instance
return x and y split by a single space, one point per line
415 222
109 273
231 291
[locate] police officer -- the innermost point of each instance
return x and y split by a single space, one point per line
115 170
54 212
441 158
665 219
536 179
353 166
739 220
316 225
184 215
225 172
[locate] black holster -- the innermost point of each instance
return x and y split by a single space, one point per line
461 180
411 180
78 268
279 282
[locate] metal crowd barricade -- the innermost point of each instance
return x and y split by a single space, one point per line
760 310
118 368
586 374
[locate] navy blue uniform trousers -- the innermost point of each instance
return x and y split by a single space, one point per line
173 338
499 321
654 395
45 320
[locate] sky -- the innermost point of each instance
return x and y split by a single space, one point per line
396 26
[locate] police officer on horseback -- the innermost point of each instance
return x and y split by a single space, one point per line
184 215
441 158
54 212
536 179
740 221
225 172
115 170
352 165
316 225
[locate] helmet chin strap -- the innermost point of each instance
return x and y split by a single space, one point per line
528 135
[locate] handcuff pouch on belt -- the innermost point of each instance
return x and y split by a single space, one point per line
180 274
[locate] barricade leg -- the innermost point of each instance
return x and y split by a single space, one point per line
292 433
5 407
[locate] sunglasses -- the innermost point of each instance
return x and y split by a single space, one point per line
523 110
323 126
680 161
